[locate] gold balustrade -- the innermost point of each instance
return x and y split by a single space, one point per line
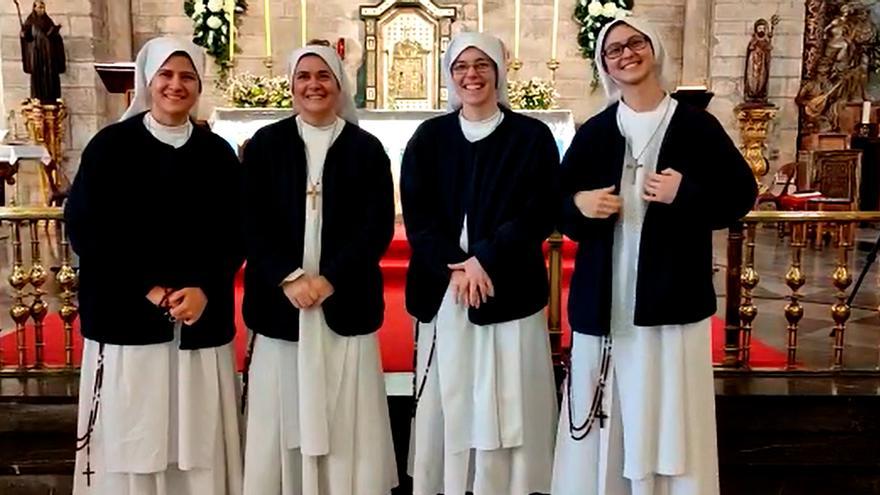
33 290
31 285
743 279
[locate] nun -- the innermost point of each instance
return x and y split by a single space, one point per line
319 217
478 188
644 184
158 397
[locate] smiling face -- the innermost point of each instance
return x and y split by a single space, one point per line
174 90
628 56
315 89
475 77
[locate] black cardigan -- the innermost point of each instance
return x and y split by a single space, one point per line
674 283
358 224
507 184
142 214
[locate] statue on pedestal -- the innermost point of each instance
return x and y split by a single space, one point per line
757 73
42 53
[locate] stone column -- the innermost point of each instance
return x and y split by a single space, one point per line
119 28
696 42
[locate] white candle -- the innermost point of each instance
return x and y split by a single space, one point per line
231 9
516 7
304 17
555 29
866 112
480 15
267 21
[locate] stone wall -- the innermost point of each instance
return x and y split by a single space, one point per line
109 30
332 19
84 30
731 31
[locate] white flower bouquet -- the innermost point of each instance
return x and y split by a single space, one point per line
246 90
212 27
593 15
534 94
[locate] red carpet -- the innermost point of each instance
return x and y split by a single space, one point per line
396 335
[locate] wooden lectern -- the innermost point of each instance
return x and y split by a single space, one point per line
118 78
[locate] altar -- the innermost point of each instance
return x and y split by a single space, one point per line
392 127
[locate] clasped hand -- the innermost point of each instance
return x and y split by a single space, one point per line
186 305
308 291
471 285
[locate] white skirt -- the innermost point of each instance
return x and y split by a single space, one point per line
485 421
361 459
168 422
660 435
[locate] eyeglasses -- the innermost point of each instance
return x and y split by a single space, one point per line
482 67
635 43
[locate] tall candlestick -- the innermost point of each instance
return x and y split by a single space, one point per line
866 112
230 8
268 27
480 15
303 16
555 29
516 8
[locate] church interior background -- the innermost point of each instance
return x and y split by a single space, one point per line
796 83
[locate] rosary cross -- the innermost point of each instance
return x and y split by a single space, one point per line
313 193
635 166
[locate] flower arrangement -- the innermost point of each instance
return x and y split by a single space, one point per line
534 94
212 27
246 90
593 15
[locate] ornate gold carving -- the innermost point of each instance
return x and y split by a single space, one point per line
754 122
404 42
19 279
842 278
748 280
45 125
795 279
39 309
408 77
67 281
836 62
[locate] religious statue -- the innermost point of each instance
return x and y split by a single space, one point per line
42 53
758 61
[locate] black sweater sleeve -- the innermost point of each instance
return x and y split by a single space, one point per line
89 213
576 175
535 223
263 247
368 243
419 199
727 191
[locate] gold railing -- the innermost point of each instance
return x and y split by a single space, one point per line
37 236
743 278
38 239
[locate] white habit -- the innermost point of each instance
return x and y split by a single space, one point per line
660 435
485 421
168 421
318 419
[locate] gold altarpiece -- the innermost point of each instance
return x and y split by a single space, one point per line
405 42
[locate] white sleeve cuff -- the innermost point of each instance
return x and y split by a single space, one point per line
299 272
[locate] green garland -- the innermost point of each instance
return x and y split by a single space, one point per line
593 15
211 28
